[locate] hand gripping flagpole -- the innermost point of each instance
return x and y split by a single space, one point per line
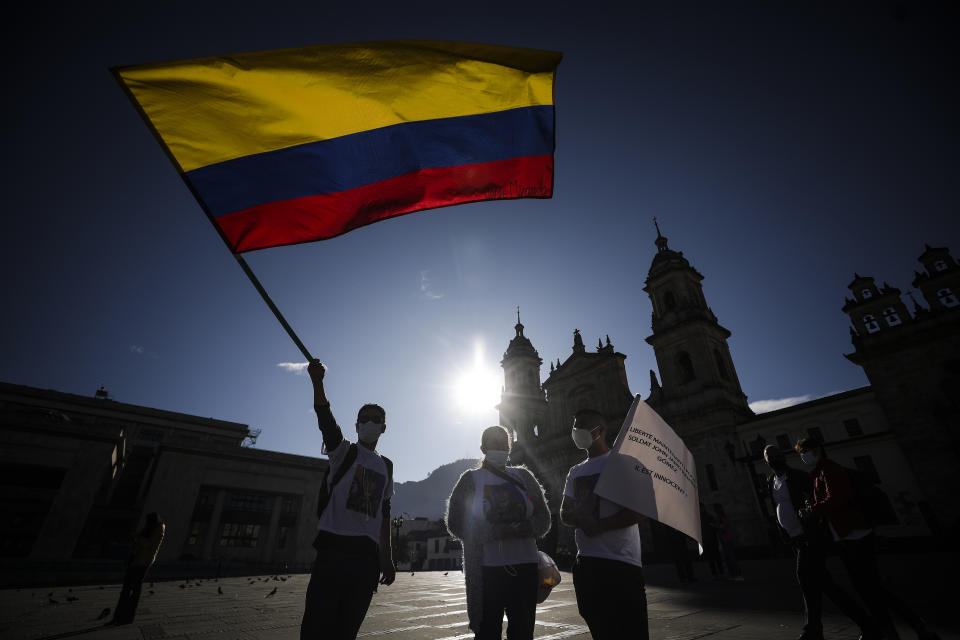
243 263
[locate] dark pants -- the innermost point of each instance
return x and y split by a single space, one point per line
611 598
512 590
860 559
129 595
338 595
711 554
816 582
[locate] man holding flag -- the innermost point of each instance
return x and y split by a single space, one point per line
607 575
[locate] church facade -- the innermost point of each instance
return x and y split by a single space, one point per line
902 429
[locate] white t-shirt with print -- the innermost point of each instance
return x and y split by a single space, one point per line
355 507
616 544
786 511
499 501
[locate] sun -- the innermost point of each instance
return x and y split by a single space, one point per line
477 389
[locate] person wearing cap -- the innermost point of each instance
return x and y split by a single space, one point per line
353 533
789 490
143 553
835 501
608 573
498 512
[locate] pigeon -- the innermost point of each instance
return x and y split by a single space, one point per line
101 586
445 572
271 593
104 614
150 592
282 579
183 586
411 573
70 590
50 595
220 590
72 598
52 601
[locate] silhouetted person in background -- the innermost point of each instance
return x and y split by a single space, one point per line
834 500
499 512
143 553
711 542
608 574
353 537
728 543
790 489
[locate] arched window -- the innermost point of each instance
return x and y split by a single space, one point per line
940 265
947 298
866 293
721 365
871 323
669 301
685 367
891 316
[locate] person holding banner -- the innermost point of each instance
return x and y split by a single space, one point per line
498 512
353 537
607 574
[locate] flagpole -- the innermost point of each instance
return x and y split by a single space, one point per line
266 298
196 196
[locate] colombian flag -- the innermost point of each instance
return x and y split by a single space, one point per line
296 145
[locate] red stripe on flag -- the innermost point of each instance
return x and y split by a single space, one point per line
329 215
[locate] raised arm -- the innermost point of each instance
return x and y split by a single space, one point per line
332 435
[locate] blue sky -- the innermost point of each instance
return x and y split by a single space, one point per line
781 148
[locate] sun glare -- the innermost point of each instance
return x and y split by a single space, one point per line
477 389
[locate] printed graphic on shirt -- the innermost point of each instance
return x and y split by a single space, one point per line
583 491
503 503
366 491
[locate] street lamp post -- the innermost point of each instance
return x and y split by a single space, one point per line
397 524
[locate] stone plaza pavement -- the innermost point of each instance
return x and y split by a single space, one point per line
432 606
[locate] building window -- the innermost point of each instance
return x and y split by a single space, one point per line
685 367
947 298
282 537
669 301
866 293
814 432
783 442
865 465
871 323
288 505
721 365
940 265
891 316
248 502
235 534
711 478
195 529
853 427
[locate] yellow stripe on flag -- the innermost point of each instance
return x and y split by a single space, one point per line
209 110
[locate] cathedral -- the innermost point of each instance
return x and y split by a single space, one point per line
901 429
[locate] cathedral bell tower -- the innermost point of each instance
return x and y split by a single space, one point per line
522 404
699 382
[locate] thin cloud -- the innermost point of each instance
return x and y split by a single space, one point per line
425 287
764 406
298 368
137 349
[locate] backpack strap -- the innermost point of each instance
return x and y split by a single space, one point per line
504 475
348 461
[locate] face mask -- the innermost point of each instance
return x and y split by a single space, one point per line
583 438
496 457
369 432
808 458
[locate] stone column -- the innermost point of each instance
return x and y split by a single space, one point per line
266 554
213 524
